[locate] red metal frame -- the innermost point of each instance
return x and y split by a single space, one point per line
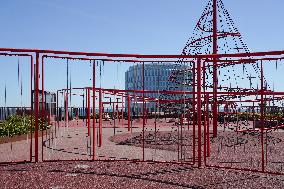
197 98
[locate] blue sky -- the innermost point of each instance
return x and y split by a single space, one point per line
126 26
160 26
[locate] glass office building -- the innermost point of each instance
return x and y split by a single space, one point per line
157 77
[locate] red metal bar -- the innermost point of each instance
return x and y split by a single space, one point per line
113 114
224 93
215 77
32 105
143 111
108 60
199 112
208 128
122 107
206 117
88 112
57 113
66 109
94 110
128 112
100 118
86 103
180 137
205 131
43 119
96 54
262 118
194 112
36 106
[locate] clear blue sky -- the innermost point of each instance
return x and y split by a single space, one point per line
128 26
159 26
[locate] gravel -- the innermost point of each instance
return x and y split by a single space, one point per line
236 150
114 174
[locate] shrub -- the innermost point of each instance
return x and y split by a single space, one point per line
18 125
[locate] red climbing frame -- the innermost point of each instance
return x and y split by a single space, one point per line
203 99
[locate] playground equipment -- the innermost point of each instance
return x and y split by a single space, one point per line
232 118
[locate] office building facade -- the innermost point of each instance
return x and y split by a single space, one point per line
157 77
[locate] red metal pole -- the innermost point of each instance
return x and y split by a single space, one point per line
113 107
42 105
205 131
100 117
181 136
122 107
215 76
117 111
36 100
208 128
143 111
206 116
66 109
194 113
262 119
128 112
57 111
199 110
88 112
94 111
32 105
85 107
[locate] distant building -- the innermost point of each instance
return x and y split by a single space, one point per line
156 78
49 101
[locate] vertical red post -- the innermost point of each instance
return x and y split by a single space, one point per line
262 118
193 110
57 111
36 105
117 111
100 117
205 131
88 112
67 87
114 112
143 111
122 107
128 112
66 109
181 135
94 111
42 105
204 112
208 131
215 76
199 110
32 107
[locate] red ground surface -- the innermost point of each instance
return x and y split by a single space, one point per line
129 175
228 149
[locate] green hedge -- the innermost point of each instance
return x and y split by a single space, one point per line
18 125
